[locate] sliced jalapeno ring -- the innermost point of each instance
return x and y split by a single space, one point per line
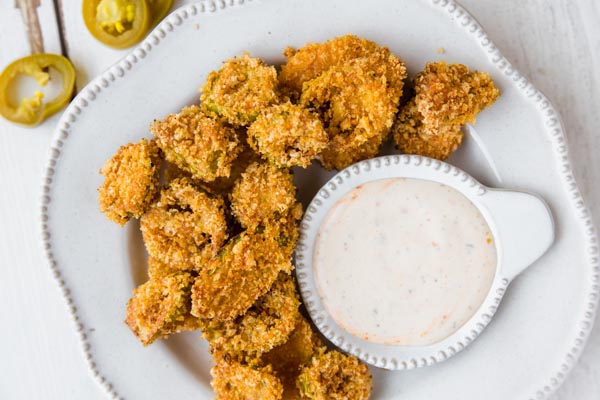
117 23
33 110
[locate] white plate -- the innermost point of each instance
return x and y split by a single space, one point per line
547 313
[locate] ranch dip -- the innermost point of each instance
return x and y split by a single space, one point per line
403 261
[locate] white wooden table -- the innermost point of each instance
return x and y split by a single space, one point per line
556 43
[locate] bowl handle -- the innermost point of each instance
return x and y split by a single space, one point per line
524 228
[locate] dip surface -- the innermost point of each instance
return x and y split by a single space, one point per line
403 261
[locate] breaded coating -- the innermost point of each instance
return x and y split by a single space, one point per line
240 90
224 185
283 228
172 171
357 110
268 323
263 192
450 94
131 181
411 139
287 135
290 358
313 59
158 268
185 227
161 307
198 144
221 186
447 96
335 376
233 381
244 270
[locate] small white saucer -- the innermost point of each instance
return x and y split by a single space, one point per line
521 225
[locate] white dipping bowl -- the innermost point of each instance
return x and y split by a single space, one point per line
521 226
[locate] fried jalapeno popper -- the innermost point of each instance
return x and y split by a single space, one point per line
447 96
355 86
287 135
357 108
131 181
197 144
161 307
244 270
185 227
267 324
262 193
240 90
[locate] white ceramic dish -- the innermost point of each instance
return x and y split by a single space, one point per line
521 226
547 313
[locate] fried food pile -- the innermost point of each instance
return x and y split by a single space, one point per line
217 204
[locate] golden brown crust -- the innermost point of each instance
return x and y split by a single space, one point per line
158 268
263 192
313 59
198 144
284 229
268 323
410 138
357 110
131 181
450 94
221 186
185 227
172 171
244 269
240 90
291 357
224 185
287 135
335 376
233 381
447 96
161 307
